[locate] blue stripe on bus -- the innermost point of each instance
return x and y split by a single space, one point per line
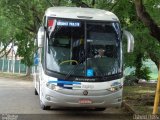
64 82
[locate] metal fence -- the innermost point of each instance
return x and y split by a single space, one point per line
12 66
10 63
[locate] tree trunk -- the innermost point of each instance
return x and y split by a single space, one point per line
154 59
138 64
147 20
29 71
93 2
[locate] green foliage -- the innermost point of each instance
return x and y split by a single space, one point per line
6 30
145 45
138 65
145 71
130 80
25 48
20 20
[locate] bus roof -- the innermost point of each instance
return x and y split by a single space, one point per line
81 13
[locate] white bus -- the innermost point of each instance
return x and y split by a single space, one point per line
79 59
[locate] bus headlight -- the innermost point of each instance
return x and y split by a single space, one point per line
115 87
52 86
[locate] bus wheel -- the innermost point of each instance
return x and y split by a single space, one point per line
35 92
100 109
43 107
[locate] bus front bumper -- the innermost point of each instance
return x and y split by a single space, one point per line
103 99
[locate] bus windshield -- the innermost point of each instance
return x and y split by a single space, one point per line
84 48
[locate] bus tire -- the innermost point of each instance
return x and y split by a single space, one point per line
43 107
35 92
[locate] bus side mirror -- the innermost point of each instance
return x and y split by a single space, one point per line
130 40
40 36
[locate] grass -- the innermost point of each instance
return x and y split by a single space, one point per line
140 97
16 76
144 88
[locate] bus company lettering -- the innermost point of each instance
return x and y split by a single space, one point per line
85 79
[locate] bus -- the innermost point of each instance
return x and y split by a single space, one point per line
79 59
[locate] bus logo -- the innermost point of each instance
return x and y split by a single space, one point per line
85 92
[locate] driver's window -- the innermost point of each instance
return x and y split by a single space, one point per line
60 47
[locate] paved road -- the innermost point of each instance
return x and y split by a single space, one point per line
17 100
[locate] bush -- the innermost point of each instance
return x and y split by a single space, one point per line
130 80
145 71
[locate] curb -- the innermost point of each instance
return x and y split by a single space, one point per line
128 107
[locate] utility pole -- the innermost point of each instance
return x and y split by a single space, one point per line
157 94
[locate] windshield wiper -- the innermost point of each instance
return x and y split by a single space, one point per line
83 58
102 75
75 68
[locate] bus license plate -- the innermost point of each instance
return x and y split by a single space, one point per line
85 101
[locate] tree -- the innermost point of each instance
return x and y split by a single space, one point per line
145 17
145 45
153 27
6 35
23 19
